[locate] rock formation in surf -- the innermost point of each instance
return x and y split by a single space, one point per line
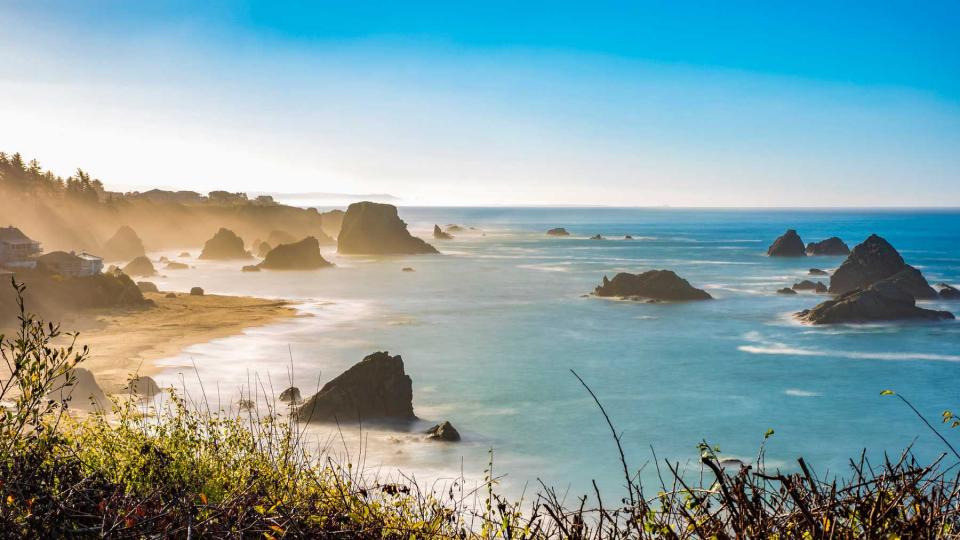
444 431
653 285
807 285
375 388
831 246
876 260
788 244
224 245
882 301
948 292
438 234
375 229
786 290
818 272
559 231
302 255
140 266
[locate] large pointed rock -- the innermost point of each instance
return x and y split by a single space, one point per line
375 388
302 255
139 267
224 245
875 260
652 285
123 245
376 229
439 234
788 244
882 301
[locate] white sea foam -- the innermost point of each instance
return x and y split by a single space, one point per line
795 392
775 348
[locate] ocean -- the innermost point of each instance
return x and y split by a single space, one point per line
490 330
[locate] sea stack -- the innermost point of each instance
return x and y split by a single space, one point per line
882 301
832 246
652 285
376 388
224 245
438 234
876 260
123 245
788 244
302 255
370 228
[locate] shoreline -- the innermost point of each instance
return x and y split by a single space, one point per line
127 341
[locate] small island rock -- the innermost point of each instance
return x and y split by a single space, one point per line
832 246
788 244
874 260
882 301
654 285
786 290
302 255
443 431
559 231
141 266
224 245
370 228
807 285
438 234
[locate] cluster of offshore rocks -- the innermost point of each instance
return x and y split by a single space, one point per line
872 284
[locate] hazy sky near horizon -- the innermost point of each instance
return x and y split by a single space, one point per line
605 103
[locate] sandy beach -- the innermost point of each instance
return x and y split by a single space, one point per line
126 341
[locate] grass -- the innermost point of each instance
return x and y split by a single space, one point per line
184 471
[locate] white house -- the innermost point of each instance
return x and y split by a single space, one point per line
17 250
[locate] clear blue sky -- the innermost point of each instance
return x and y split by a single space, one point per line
623 103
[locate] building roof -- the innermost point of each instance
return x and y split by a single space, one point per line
89 256
13 235
58 257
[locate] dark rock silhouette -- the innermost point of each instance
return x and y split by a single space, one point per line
654 284
830 246
81 389
949 293
291 395
440 235
123 245
443 431
302 255
147 286
559 231
250 268
375 229
407 269
196 291
786 290
596 237
807 285
818 272
143 386
224 245
375 388
882 301
140 266
174 265
875 260
628 237
788 244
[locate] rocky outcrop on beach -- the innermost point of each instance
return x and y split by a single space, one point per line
807 285
375 388
143 386
788 244
948 292
786 290
444 431
291 395
80 390
882 301
123 245
224 245
140 266
302 255
818 272
875 260
831 246
438 234
559 231
196 291
147 286
376 229
651 285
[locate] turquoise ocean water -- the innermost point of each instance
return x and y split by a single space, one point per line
490 330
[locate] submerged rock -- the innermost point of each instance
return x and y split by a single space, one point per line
141 266
291 395
196 291
302 255
628 237
830 246
786 290
559 231
250 268
143 386
375 388
440 235
443 431
949 293
224 245
654 284
807 285
818 272
173 265
375 229
788 244
875 260
882 301
407 269
147 286
123 245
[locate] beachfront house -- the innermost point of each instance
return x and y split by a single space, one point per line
72 264
16 249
